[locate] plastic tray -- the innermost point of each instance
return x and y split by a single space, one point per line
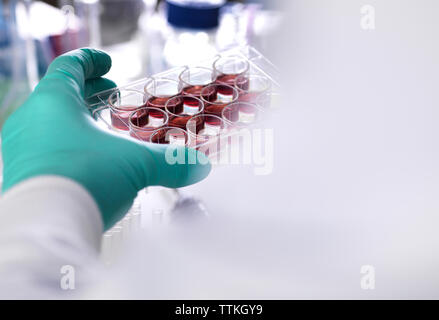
98 103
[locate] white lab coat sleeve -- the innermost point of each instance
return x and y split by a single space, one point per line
50 231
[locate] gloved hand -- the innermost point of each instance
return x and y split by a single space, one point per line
53 133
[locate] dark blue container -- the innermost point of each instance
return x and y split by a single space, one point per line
194 14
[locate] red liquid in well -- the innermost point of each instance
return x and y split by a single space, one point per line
158 102
176 105
208 143
215 95
119 120
179 110
215 109
200 124
246 111
159 138
210 94
227 79
196 126
193 90
142 119
179 122
163 137
206 134
242 83
211 121
192 103
232 114
226 91
249 96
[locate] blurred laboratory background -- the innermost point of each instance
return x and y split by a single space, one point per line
143 37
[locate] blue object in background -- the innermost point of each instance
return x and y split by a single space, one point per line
7 23
14 78
192 14
4 39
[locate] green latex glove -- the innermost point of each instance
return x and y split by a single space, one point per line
53 133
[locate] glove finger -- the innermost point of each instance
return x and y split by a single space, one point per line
93 86
170 166
68 72
90 63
